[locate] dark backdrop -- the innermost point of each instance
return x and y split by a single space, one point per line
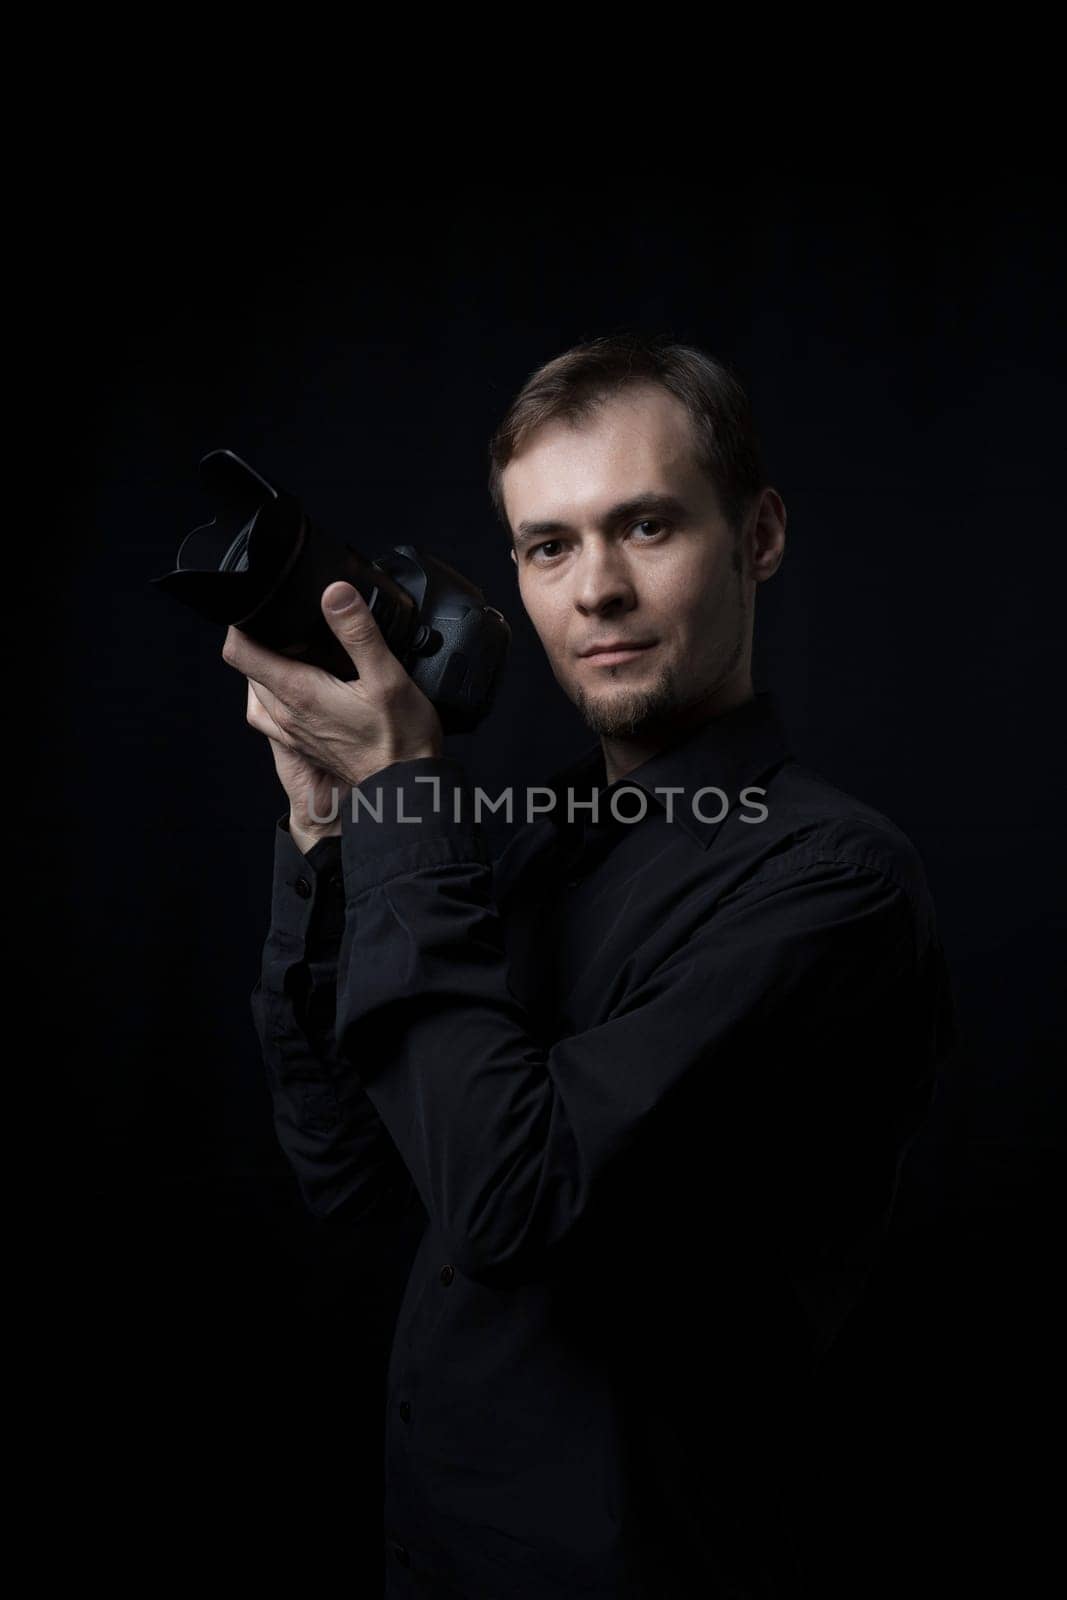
902 346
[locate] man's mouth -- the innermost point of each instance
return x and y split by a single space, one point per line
613 654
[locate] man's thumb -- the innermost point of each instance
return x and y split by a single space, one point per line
343 599
353 621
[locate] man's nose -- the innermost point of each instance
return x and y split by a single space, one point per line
602 579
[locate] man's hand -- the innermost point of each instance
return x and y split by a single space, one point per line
348 730
313 793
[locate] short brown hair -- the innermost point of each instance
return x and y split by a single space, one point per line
572 385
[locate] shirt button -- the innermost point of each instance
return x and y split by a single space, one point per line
447 1274
400 1551
303 888
405 1411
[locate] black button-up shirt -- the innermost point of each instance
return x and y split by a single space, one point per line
650 1083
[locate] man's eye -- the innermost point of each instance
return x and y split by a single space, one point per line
546 545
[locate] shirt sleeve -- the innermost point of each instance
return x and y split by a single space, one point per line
345 1164
510 1143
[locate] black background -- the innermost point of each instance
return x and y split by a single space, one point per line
902 344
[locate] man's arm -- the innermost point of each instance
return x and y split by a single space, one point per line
508 1143
344 1161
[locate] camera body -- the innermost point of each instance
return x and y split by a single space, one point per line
262 565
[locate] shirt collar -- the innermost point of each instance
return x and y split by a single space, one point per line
725 752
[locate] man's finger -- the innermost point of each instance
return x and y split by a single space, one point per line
260 712
267 702
289 680
352 620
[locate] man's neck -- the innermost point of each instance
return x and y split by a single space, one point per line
625 755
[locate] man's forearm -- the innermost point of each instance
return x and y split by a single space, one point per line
333 1139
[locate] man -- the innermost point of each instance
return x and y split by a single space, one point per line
650 1075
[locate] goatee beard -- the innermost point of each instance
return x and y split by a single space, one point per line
628 715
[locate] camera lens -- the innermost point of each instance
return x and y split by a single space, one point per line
236 557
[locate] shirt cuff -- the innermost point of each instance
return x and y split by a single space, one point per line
302 884
409 815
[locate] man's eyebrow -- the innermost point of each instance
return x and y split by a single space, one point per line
657 505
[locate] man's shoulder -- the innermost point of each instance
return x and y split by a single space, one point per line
812 820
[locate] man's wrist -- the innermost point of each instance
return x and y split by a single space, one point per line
426 752
306 839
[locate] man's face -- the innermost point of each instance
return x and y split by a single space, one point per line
619 539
